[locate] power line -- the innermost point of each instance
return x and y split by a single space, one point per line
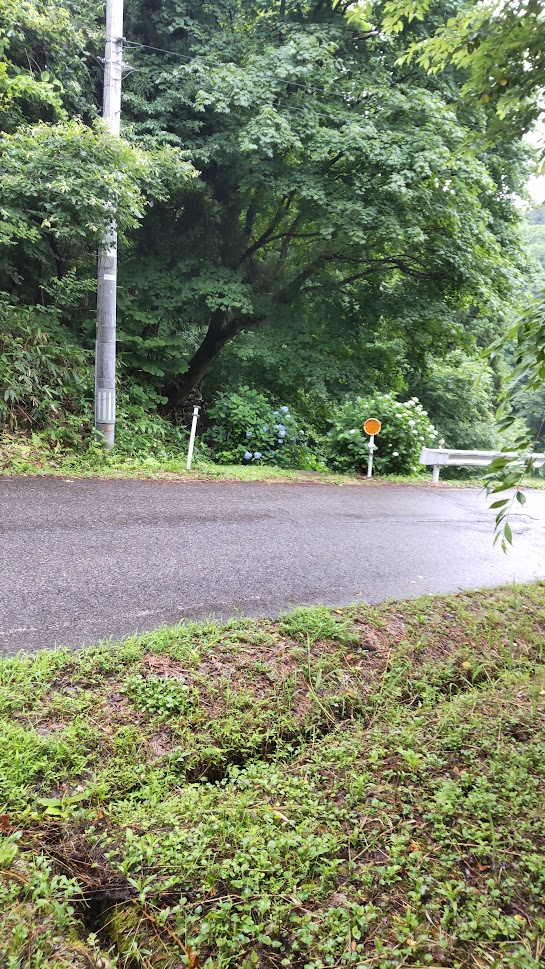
133 45
269 77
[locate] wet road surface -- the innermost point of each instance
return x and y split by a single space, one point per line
85 560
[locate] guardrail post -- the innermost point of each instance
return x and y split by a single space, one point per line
437 467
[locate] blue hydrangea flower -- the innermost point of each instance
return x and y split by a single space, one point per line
264 428
249 434
280 427
247 455
257 455
272 454
285 410
276 413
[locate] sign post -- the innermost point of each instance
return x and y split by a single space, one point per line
372 426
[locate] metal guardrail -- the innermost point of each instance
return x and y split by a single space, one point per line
446 458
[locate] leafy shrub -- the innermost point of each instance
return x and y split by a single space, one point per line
41 372
142 433
247 429
406 428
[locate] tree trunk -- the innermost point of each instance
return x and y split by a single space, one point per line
219 332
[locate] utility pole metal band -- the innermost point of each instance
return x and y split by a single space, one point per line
105 407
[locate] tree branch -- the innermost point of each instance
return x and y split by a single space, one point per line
264 237
220 331
396 262
250 219
285 247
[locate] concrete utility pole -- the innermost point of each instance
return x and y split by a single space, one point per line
107 256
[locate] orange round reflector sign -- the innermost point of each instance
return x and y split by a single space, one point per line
372 426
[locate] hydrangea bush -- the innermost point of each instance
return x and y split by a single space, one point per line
406 428
245 428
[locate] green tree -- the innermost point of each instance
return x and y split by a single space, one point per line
459 391
43 74
534 235
345 223
62 172
328 174
502 48
499 46
60 184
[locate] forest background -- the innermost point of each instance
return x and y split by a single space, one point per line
313 227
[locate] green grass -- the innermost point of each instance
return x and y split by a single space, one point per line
355 787
21 455
19 458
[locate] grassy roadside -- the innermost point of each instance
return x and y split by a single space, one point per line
153 470
356 787
24 459
29 457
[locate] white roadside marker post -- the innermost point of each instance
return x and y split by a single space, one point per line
192 437
370 458
372 426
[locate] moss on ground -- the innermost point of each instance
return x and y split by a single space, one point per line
357 787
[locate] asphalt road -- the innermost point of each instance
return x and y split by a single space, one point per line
85 560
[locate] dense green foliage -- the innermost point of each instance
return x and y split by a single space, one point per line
246 427
43 374
534 233
300 213
458 392
406 429
310 188
501 46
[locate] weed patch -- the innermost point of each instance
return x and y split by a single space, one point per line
358 787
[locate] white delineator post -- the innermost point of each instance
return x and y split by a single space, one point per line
192 437
370 458
107 257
